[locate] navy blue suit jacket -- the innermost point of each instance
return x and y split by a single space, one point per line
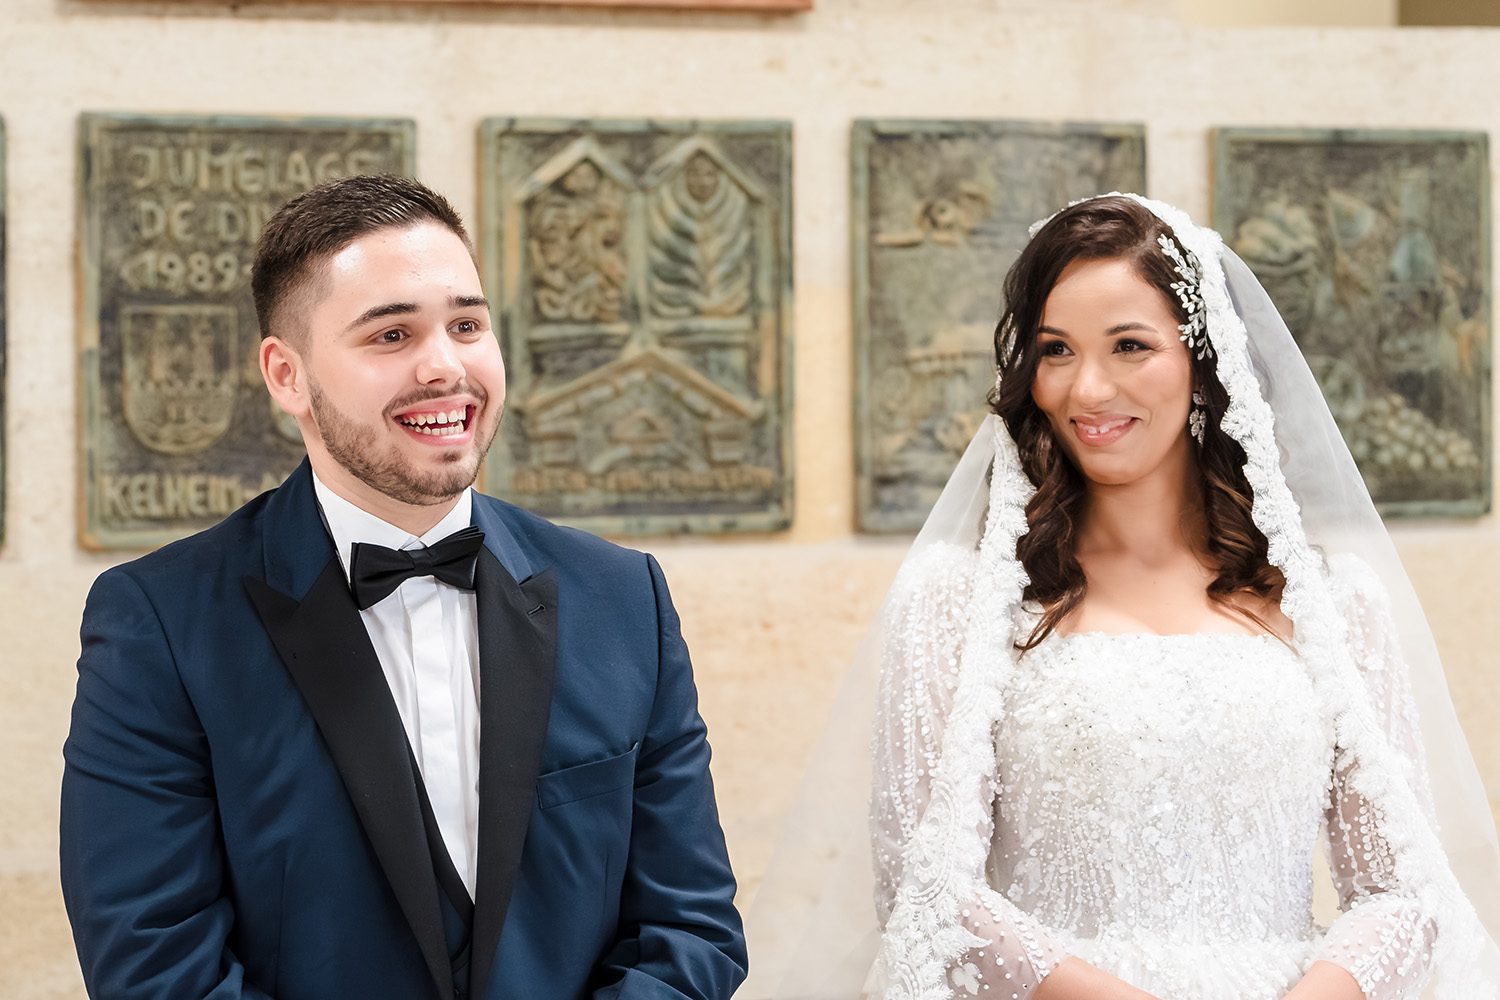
239 816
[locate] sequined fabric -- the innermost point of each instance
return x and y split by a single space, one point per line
1160 801
1154 805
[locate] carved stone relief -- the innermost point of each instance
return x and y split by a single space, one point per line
940 209
577 263
642 271
176 428
1375 247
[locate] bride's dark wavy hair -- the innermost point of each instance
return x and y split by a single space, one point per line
1110 228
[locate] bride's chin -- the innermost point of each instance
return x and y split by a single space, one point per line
1104 474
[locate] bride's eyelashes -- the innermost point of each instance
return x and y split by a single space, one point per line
1125 345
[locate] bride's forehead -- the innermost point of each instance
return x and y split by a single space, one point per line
1088 287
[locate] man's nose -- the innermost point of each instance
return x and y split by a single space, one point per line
439 361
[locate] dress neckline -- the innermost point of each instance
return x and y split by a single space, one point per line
1165 636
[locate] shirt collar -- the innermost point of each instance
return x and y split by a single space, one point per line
348 524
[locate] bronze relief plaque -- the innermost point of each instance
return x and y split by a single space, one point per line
176 428
641 273
1375 247
940 209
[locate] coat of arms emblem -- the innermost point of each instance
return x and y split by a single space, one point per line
179 379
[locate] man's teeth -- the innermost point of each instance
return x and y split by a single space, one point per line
441 424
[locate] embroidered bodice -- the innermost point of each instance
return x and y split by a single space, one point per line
1157 804
1160 801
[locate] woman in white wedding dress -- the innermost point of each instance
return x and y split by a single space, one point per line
1161 772
1152 649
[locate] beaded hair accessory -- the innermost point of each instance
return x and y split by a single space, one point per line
1190 293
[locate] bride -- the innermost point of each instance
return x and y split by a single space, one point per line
1151 650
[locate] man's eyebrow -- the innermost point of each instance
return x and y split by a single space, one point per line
381 311
408 308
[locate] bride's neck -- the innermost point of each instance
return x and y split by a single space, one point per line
1155 518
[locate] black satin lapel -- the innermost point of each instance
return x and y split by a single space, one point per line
325 647
517 648
297 546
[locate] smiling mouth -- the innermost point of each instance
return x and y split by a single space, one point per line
438 423
1102 433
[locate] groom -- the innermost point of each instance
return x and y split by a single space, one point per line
377 735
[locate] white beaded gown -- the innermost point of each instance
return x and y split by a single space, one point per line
1158 802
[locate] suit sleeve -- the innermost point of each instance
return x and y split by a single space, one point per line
142 859
680 936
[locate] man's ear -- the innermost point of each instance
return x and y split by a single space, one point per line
286 380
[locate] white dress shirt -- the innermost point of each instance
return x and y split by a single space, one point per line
426 635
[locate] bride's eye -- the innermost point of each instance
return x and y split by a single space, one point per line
1128 346
1053 349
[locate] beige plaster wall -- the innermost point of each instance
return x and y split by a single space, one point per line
1346 13
771 620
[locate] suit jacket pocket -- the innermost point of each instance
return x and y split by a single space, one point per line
584 781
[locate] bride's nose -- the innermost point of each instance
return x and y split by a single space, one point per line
1093 384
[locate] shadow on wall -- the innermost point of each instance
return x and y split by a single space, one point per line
735 15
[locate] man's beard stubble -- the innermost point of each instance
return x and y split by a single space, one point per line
354 447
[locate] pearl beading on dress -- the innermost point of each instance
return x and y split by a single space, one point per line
1155 803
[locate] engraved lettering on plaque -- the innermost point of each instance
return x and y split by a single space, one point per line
940 210
177 429
643 277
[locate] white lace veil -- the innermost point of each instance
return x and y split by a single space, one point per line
815 925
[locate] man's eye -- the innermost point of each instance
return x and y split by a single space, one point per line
390 337
466 326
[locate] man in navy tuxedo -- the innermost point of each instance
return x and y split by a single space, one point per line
377 735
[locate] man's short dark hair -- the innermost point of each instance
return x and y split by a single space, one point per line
320 222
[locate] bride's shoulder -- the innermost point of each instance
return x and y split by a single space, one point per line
935 568
1355 584
1363 601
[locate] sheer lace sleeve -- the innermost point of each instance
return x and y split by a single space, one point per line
1385 937
1012 953
1008 953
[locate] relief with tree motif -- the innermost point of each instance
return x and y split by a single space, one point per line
641 272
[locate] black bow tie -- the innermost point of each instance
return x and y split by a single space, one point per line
376 571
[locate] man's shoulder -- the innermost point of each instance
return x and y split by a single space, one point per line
559 545
230 548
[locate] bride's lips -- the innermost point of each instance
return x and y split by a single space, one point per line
1102 430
